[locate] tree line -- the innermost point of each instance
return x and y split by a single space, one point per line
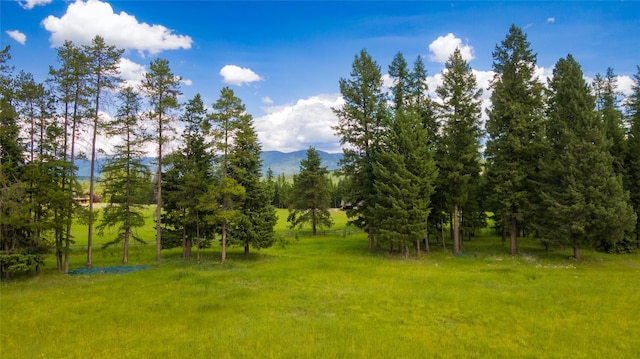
209 186
561 161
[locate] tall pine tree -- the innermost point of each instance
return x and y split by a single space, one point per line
458 157
633 154
583 198
311 198
515 131
362 119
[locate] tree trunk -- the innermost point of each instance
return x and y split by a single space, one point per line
224 241
513 234
246 250
125 255
159 191
426 236
370 237
456 231
444 246
576 252
418 248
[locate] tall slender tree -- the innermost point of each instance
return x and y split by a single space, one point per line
125 176
162 88
257 216
102 62
190 172
583 197
362 120
514 127
310 199
607 105
458 158
70 85
226 118
633 154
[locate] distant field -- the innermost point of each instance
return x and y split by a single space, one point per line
329 297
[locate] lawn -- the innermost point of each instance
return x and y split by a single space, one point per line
329 297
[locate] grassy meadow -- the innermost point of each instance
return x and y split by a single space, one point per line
329 297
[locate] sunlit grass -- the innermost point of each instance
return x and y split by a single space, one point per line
328 296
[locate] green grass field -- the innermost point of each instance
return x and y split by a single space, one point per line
329 297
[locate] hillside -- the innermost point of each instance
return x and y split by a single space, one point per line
279 162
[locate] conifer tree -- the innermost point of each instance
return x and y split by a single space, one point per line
257 217
633 155
361 123
514 127
584 202
125 178
311 195
607 100
102 62
229 112
190 172
405 171
458 157
162 88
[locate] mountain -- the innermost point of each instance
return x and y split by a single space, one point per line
289 162
279 162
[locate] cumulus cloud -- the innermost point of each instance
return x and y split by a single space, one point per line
235 75
84 20
267 100
30 4
442 47
625 85
186 82
131 72
295 127
551 20
17 35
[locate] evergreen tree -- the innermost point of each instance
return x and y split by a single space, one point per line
405 171
228 114
190 172
70 85
162 88
633 155
514 127
310 198
361 122
125 178
102 69
583 198
607 100
458 158
254 227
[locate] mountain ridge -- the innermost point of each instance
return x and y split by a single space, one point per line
287 163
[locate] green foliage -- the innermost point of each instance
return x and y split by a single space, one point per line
311 195
361 124
514 127
632 162
458 157
11 264
583 197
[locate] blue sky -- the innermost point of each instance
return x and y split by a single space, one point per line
284 59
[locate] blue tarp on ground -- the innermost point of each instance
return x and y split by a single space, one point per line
107 270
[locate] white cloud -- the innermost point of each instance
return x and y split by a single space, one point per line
551 20
186 82
84 20
625 85
442 47
267 100
17 35
131 72
235 75
295 127
543 74
30 4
